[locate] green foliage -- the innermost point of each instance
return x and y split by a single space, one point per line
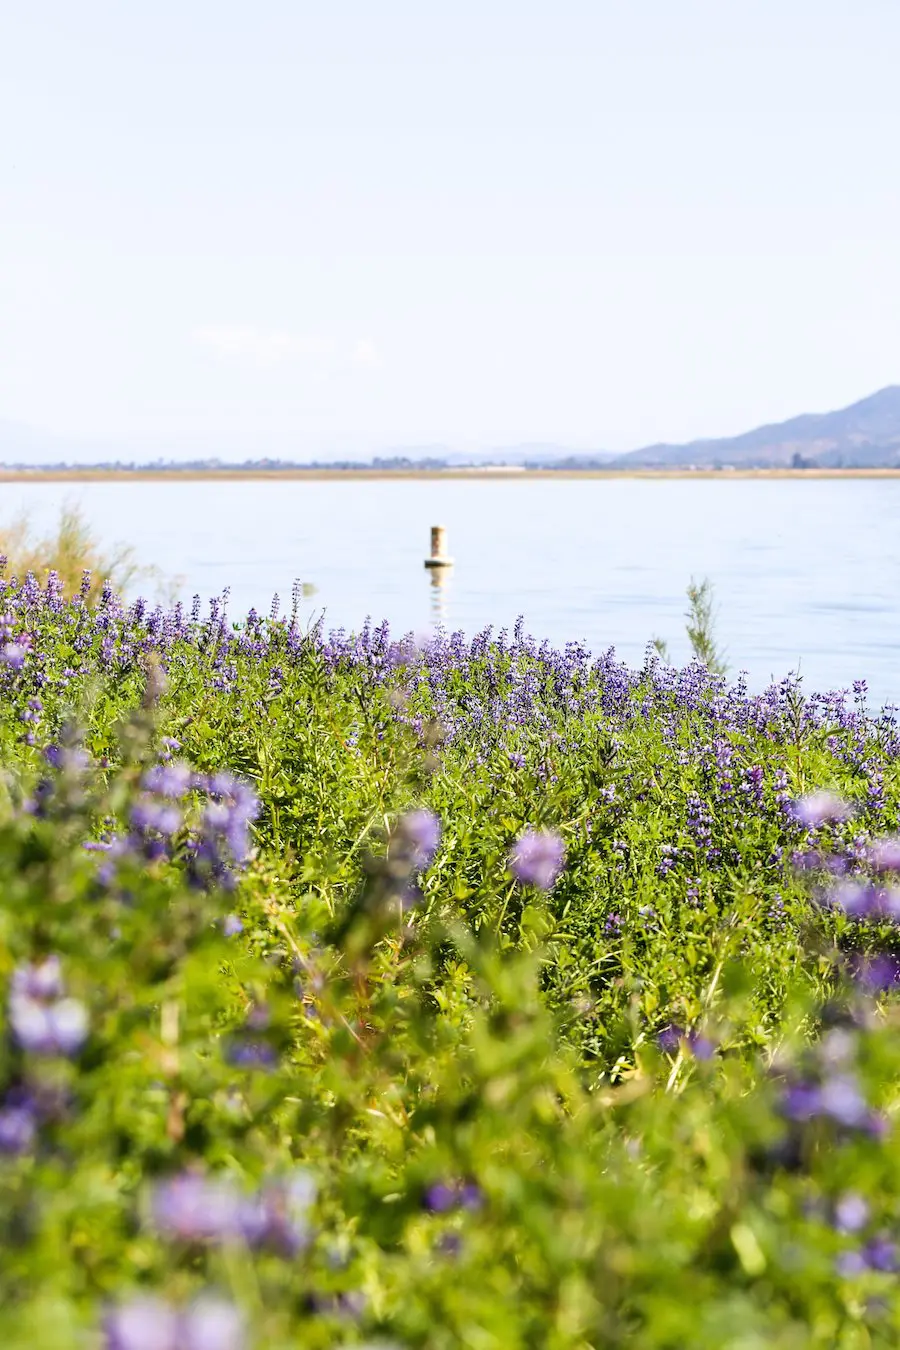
534 1119
701 626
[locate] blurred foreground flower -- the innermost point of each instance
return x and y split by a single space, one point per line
194 1208
148 1323
42 1020
537 859
821 808
417 837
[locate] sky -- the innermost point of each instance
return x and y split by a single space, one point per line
371 225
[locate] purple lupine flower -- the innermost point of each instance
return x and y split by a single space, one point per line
211 1323
42 1022
841 1099
851 1213
885 854
537 859
470 1195
17 1129
700 1046
807 860
820 808
69 1024
849 1264
191 1207
149 1323
801 1101
232 925
419 834
669 1040
881 1254
41 980
249 1052
277 1218
877 974
145 1323
857 899
162 817
12 654
440 1197
173 779
443 1196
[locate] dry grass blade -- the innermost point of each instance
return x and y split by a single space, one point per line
70 551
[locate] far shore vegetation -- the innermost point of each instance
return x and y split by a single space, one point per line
368 473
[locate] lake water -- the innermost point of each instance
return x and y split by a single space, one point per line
806 573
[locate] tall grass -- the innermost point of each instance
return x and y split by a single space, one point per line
70 550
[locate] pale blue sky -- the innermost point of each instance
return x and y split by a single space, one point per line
602 222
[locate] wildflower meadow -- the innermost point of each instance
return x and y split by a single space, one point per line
360 991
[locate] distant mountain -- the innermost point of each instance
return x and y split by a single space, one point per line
867 434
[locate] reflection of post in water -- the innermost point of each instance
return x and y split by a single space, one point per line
440 585
439 565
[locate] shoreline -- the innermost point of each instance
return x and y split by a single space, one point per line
76 475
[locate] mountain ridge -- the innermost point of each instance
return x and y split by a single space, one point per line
865 434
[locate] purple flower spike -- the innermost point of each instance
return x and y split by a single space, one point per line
41 980
801 1101
444 1196
13 655
669 1040
420 833
841 1099
537 859
193 1208
821 808
440 1197
701 1047
17 1130
278 1217
881 1254
857 899
69 1025
169 780
877 974
247 1052
851 1213
470 1195
885 854
143 1324
48 1028
211 1323
849 1264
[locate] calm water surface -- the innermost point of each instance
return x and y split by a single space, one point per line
806 573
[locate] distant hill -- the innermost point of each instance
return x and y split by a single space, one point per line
867 434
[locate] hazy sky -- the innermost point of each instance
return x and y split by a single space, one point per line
602 222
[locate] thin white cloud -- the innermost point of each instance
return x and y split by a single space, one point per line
263 347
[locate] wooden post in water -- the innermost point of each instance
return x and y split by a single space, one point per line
439 556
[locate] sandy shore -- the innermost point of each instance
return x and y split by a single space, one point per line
419 475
